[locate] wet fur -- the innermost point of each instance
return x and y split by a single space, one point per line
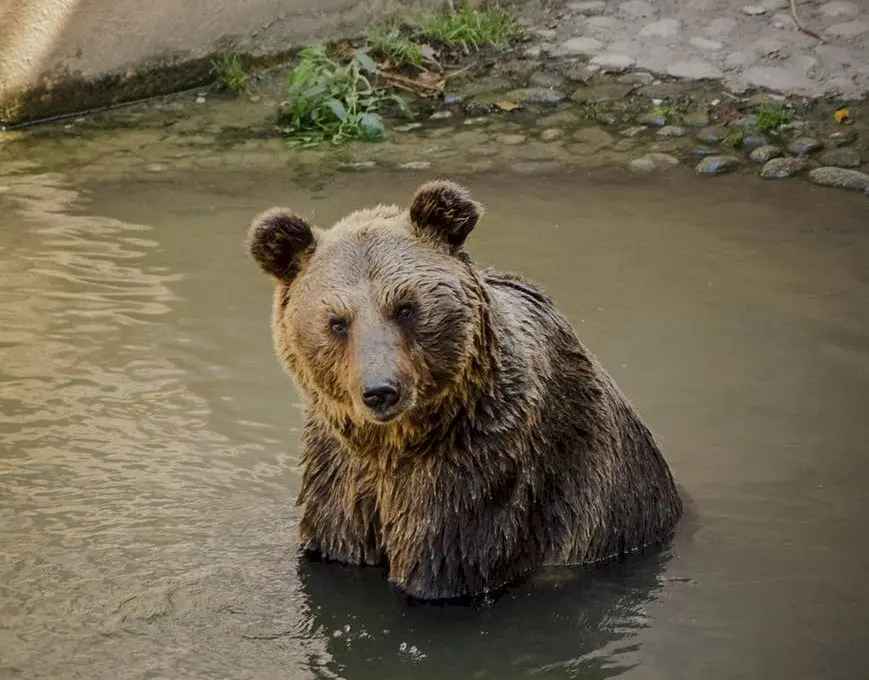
519 449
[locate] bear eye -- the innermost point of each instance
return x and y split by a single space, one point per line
405 311
338 325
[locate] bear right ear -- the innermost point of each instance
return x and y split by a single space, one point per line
445 211
280 241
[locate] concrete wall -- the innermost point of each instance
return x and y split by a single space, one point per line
62 56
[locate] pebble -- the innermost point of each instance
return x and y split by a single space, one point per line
653 119
849 29
843 137
613 63
537 167
580 73
415 165
721 26
440 115
634 131
844 157
702 151
254 98
602 93
407 127
477 120
705 44
535 95
551 134
484 151
754 10
765 153
717 165
156 167
637 9
696 119
694 69
752 142
672 131
200 100
359 165
510 140
546 79
581 45
661 29
779 168
653 161
841 178
837 9
451 99
803 146
537 151
561 118
592 7
591 139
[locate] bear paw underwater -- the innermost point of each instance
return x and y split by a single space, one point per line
457 431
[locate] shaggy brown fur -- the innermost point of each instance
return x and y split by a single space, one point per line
457 430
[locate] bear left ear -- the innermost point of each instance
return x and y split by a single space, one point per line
280 242
445 211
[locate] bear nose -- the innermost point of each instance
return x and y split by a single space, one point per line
380 396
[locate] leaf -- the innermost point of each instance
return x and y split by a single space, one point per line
842 116
507 105
338 109
366 62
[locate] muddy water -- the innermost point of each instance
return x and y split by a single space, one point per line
148 438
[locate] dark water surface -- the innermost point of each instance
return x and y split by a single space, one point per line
148 438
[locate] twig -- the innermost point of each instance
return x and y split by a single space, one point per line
461 70
799 24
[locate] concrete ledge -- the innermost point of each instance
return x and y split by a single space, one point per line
65 56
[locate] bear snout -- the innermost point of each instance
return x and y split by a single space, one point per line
381 396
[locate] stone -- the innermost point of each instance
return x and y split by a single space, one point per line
537 167
591 140
752 142
470 138
765 153
546 79
604 26
407 127
440 115
696 119
712 134
653 161
637 78
843 137
849 29
671 131
602 93
450 99
745 122
702 151
705 44
359 165
482 151
415 165
779 168
545 33
652 119
534 95
637 9
664 28
780 78
537 151
717 165
613 63
581 45
551 134
625 145
721 26
156 167
754 10
839 9
841 178
200 100
803 146
671 90
580 73
510 140
633 131
694 69
566 117
592 7
844 157
475 121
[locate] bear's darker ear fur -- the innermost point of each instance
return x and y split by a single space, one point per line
279 241
445 211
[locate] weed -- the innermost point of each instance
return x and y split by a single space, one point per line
389 40
669 113
230 72
771 118
593 111
469 28
734 138
335 102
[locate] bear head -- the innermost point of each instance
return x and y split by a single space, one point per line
382 315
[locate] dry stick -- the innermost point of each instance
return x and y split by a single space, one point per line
799 24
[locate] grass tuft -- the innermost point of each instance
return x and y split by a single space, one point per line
469 28
389 40
771 118
230 72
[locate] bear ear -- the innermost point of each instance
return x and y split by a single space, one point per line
280 242
445 211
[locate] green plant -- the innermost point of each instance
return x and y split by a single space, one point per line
335 102
230 72
593 112
669 113
390 40
734 138
771 118
469 28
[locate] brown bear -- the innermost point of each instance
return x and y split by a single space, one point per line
457 431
